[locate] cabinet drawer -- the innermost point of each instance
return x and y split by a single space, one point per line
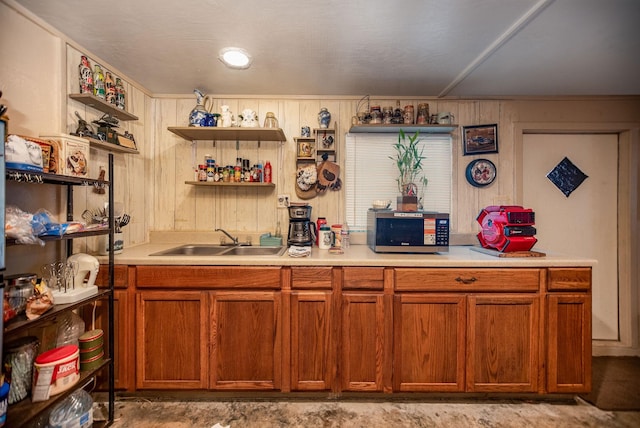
363 278
120 279
207 277
311 277
569 279
454 279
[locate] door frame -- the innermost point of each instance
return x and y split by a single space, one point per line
628 342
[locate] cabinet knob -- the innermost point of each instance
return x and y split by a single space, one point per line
466 280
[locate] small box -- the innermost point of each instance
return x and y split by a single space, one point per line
69 155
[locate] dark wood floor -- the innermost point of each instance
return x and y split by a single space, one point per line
616 383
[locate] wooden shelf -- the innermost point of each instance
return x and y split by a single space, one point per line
215 133
45 177
100 104
110 146
230 184
393 128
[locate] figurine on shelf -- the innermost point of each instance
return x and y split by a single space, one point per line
226 117
85 76
98 82
200 110
249 118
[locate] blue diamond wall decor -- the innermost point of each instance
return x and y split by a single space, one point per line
566 176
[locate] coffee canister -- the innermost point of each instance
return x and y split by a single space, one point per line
55 371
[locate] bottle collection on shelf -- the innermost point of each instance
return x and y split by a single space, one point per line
242 171
101 84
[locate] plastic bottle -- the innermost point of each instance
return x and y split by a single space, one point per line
267 172
345 236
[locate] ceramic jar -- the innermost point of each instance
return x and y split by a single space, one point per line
423 114
409 113
324 118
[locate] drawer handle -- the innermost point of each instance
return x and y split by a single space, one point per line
467 281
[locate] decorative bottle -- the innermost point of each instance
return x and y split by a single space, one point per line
267 172
109 88
98 82
120 103
324 118
199 112
85 76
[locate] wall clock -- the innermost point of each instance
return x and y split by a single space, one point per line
481 172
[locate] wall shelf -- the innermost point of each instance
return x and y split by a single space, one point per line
230 184
110 146
100 104
228 134
393 128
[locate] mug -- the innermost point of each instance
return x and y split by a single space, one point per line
337 237
445 118
305 131
325 238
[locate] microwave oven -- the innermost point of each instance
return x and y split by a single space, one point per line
391 231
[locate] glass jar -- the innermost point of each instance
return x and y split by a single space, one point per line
409 114
270 120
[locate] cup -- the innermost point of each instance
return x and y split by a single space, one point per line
325 238
337 235
445 118
305 131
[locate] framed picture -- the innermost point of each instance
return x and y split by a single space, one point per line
480 139
305 148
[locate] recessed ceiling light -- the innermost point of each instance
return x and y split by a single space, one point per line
235 57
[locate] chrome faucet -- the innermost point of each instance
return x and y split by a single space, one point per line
235 240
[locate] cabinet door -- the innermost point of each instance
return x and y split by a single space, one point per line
312 365
362 362
429 342
502 343
569 343
171 350
246 348
122 352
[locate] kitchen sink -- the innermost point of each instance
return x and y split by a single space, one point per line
221 250
254 251
193 250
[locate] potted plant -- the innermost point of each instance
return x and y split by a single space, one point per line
408 159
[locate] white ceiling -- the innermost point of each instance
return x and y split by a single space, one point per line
454 48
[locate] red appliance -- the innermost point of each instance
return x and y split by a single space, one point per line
507 228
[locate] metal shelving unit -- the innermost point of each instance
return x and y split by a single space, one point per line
25 412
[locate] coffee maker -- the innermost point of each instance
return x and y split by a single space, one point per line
302 230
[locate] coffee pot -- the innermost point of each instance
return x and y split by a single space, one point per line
302 231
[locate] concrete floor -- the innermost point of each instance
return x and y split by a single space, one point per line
145 413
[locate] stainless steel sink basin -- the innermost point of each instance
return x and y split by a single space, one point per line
221 250
254 251
193 250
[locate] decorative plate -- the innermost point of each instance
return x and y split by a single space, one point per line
481 172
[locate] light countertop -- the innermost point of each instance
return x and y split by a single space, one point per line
356 255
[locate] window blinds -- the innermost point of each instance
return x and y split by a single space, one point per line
371 174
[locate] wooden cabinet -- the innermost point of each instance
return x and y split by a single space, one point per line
245 347
364 354
568 308
502 343
171 340
429 342
460 332
313 343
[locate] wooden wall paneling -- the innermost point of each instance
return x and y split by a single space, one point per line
136 198
164 169
506 177
464 210
185 207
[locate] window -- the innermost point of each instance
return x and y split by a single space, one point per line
370 174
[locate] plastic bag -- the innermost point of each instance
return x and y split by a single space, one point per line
70 328
40 302
75 411
19 226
